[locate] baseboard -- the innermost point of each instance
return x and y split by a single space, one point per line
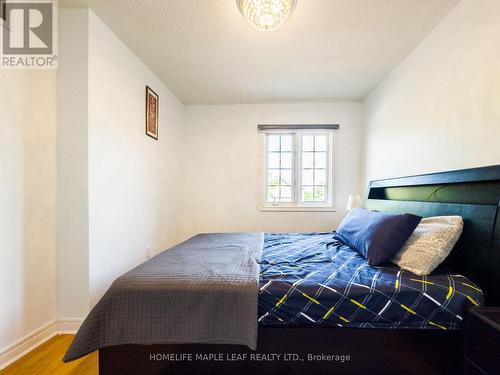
26 344
69 325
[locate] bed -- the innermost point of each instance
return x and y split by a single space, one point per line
311 279
322 308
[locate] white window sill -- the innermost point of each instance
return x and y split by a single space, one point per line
296 209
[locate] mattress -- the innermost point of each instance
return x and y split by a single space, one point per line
313 279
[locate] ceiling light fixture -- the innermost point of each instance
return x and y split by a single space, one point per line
266 15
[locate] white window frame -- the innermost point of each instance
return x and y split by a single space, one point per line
297 204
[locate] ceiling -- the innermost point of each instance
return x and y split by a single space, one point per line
206 53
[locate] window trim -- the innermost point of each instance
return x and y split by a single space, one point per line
297 204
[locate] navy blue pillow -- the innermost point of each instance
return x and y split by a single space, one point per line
377 236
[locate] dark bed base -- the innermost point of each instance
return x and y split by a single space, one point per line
370 351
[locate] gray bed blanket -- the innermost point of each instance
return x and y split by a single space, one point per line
204 290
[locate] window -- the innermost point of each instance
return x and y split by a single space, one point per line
298 169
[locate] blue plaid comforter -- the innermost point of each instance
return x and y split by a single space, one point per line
312 279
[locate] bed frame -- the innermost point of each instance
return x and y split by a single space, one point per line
473 194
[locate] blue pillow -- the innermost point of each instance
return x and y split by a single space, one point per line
377 236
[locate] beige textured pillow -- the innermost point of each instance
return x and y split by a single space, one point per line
429 245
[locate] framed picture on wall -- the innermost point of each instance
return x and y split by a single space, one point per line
152 104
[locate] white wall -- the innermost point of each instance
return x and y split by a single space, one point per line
134 180
27 203
72 165
440 109
222 158
77 173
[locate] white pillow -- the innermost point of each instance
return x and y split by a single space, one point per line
429 245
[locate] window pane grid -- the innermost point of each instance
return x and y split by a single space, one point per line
313 167
312 186
280 169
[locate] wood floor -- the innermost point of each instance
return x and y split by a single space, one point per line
47 359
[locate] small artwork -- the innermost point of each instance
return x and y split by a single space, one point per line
152 104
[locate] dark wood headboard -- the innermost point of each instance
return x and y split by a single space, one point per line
473 194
